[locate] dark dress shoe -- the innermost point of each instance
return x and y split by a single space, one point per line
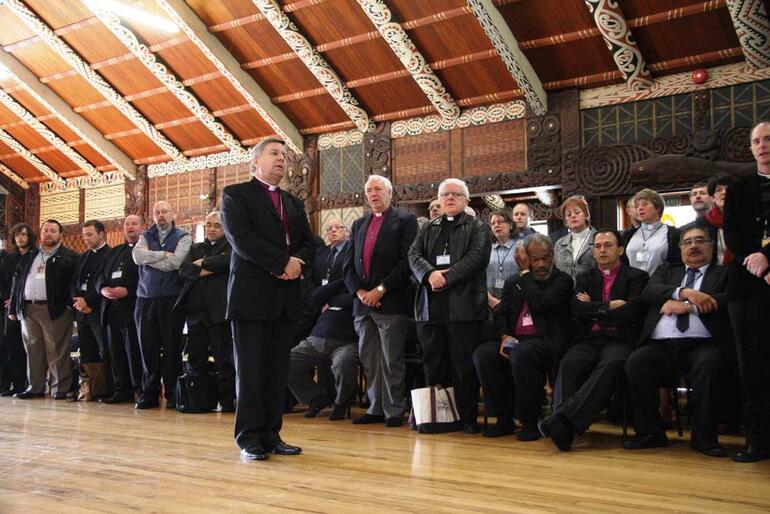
285 449
7 392
368 419
561 432
529 432
338 412
119 398
170 404
254 453
315 408
26 395
147 404
394 422
751 453
60 396
471 428
708 448
499 429
645 441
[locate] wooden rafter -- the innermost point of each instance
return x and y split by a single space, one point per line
8 172
614 29
317 65
17 147
501 37
753 29
97 82
411 58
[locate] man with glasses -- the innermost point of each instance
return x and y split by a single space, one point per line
686 319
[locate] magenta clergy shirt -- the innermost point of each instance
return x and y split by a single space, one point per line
372 231
608 278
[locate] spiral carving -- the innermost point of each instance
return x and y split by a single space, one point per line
606 170
735 144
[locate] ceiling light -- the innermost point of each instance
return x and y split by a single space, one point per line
139 16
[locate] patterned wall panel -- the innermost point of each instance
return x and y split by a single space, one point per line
184 192
63 207
494 148
105 203
342 170
232 174
421 158
348 215
741 105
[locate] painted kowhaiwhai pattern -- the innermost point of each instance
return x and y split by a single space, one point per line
753 29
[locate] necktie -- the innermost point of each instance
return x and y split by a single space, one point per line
683 320
330 261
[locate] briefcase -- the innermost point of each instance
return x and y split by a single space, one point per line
196 393
434 410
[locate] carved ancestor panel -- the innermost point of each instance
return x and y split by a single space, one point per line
377 150
136 193
32 205
301 175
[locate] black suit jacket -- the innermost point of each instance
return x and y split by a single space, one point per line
259 252
390 264
743 232
626 320
58 277
207 293
548 302
119 259
667 278
321 260
95 261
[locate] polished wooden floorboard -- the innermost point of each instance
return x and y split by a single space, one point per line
85 457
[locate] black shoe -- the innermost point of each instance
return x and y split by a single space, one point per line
170 404
643 442
368 419
499 429
119 398
285 449
393 422
315 408
560 431
60 396
147 404
751 453
338 412
7 392
708 448
471 428
529 432
254 453
26 395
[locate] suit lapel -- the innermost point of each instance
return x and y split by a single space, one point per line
390 219
619 282
259 191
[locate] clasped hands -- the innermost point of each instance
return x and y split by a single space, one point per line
293 269
757 264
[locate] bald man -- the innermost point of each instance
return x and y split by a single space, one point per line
159 253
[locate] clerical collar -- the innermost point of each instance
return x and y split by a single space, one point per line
268 186
610 271
455 217
102 246
379 214
765 176
652 226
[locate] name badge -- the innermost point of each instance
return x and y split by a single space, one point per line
324 281
526 321
40 275
442 260
499 283
84 286
642 256
116 274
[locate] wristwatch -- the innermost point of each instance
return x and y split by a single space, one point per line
381 288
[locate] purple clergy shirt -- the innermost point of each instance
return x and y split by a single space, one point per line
372 231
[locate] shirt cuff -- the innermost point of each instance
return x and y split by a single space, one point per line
675 294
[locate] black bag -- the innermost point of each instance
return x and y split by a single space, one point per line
196 393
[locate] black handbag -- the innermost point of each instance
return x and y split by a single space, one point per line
196 393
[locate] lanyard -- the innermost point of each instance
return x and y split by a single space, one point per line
645 238
505 257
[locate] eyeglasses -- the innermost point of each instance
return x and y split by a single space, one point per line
457 194
698 241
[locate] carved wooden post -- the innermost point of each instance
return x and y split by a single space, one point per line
377 151
301 177
32 205
137 192
212 189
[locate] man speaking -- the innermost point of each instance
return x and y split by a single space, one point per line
271 239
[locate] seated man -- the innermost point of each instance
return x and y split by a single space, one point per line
686 316
532 323
608 307
333 339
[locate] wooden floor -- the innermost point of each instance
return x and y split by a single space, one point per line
80 457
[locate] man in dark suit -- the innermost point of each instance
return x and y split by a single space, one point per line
204 301
13 358
95 382
687 314
607 306
377 273
747 233
41 300
271 240
449 259
117 284
533 327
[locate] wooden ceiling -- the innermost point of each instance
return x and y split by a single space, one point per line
90 92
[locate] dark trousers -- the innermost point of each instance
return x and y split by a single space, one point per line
93 347
160 334
749 320
321 354
655 365
448 359
13 358
514 385
203 335
588 375
262 351
123 345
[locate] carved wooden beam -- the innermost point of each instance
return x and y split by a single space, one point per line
97 82
610 21
314 62
753 29
8 172
507 46
410 57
